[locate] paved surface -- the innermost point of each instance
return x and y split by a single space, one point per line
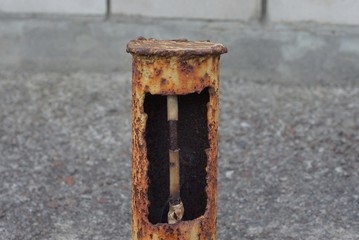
288 162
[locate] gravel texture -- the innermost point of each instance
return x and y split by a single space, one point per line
288 160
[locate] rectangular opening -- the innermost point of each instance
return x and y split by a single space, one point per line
192 141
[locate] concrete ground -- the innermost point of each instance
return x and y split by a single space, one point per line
288 158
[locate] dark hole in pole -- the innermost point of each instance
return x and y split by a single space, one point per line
192 141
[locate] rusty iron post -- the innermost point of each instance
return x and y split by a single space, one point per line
189 71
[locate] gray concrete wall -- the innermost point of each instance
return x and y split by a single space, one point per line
268 40
78 7
209 9
257 52
321 11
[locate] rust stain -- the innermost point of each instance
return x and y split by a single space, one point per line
69 180
158 71
179 47
163 81
167 68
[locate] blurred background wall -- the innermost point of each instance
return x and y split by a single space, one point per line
268 40
321 11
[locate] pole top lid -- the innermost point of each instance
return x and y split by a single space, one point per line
170 48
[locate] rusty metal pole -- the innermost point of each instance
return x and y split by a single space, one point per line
189 71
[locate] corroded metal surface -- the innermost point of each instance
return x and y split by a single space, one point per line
169 74
175 212
167 48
